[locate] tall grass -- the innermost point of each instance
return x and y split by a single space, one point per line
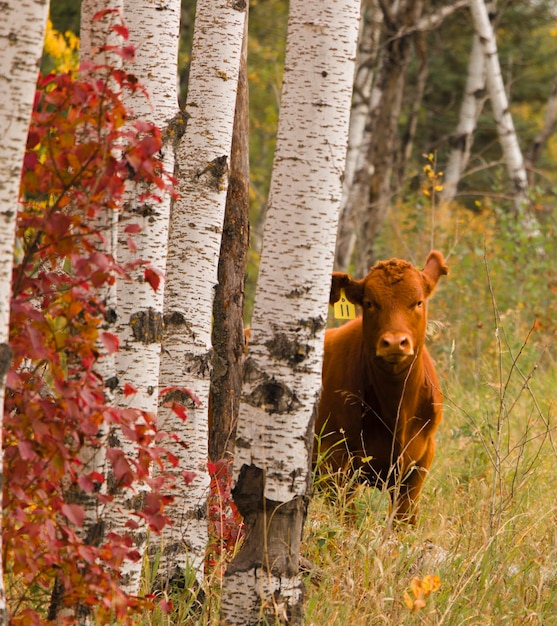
487 523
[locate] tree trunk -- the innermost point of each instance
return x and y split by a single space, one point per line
415 107
21 42
202 170
500 105
154 31
282 375
391 82
470 109
403 23
358 171
228 308
94 34
545 133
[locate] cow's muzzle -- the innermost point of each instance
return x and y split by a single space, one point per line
395 347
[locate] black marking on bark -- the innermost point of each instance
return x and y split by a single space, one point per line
180 397
175 318
110 316
239 5
298 292
315 324
283 348
112 383
273 528
147 326
175 128
145 211
217 169
273 397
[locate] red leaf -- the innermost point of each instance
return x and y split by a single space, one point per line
100 14
132 229
30 160
121 30
110 342
166 606
126 52
131 244
25 450
153 277
188 476
74 513
129 389
179 410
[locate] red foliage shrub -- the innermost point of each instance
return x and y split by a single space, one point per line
81 153
225 522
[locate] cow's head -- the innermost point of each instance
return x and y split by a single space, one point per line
393 299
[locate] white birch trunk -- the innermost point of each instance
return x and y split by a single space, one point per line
282 376
546 131
94 34
500 105
154 31
21 42
358 170
202 170
470 109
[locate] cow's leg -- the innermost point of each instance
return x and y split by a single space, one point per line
406 493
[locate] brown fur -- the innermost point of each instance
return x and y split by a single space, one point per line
381 403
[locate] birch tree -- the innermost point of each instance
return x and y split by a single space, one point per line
202 166
154 31
358 169
21 41
228 311
368 196
283 369
499 104
470 109
547 129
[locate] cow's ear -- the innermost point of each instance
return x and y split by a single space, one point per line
352 288
434 268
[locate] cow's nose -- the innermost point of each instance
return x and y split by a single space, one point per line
395 344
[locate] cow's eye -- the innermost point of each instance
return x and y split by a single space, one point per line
369 305
419 304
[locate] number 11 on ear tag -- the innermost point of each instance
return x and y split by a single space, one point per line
343 308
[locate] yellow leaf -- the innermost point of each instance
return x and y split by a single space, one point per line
408 601
431 583
416 587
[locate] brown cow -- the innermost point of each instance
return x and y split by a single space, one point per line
381 403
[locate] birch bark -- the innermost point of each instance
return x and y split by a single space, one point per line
391 83
203 159
21 42
500 105
283 370
470 109
154 31
358 170
94 34
228 311
545 133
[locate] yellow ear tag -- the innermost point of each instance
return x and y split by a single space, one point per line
343 308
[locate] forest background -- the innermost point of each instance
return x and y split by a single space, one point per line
493 546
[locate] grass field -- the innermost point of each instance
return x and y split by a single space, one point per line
484 549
